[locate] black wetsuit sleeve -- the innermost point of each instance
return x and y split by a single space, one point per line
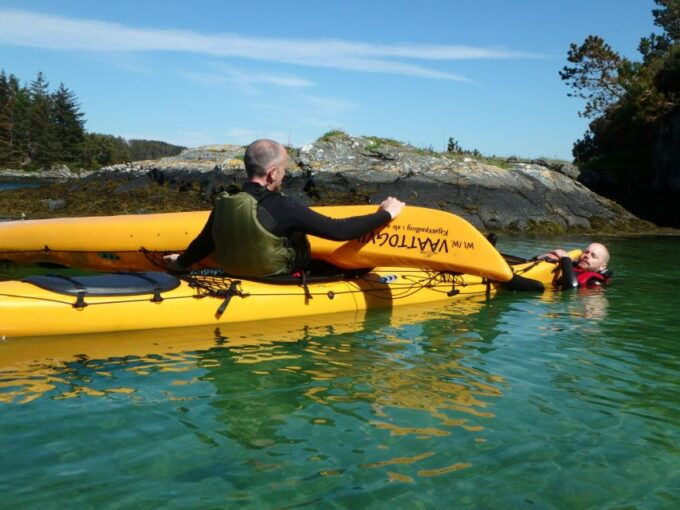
303 219
201 247
568 279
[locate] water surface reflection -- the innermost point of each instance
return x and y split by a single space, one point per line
555 400
335 391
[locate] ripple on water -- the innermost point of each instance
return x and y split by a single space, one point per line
560 400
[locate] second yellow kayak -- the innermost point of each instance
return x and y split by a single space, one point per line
58 306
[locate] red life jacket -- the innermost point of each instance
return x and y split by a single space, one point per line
586 278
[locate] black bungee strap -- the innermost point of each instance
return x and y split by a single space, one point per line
81 290
308 295
116 284
157 298
228 294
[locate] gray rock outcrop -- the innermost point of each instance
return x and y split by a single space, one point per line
491 194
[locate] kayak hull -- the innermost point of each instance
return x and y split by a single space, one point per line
28 310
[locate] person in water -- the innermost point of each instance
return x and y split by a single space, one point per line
258 231
589 269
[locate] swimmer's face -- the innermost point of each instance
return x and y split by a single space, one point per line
594 258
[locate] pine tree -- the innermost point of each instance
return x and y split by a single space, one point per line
13 121
40 124
101 150
39 128
151 149
666 17
20 129
68 125
595 75
5 120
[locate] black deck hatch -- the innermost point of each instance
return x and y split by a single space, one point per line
113 284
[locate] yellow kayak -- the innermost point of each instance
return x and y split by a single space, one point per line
43 305
418 238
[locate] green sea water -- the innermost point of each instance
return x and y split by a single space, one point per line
555 400
17 185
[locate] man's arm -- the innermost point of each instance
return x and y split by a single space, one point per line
343 229
568 278
202 246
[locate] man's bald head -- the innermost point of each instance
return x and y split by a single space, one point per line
594 258
262 154
603 251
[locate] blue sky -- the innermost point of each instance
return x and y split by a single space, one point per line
483 72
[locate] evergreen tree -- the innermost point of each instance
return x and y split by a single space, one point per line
667 18
453 146
13 127
68 126
594 75
101 150
19 122
42 142
5 120
632 104
151 149
39 128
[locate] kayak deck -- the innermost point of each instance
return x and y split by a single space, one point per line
29 310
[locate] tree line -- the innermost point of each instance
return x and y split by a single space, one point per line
631 103
40 129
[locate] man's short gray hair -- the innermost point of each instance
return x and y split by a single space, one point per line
260 155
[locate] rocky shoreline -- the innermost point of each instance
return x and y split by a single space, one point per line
501 195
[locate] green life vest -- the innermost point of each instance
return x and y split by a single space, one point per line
244 247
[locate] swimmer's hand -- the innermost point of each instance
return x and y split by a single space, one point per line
554 255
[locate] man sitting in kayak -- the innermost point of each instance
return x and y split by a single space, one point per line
260 232
589 269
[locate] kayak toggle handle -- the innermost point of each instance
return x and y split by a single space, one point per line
229 293
80 300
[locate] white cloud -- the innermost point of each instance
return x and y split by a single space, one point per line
282 81
222 74
25 28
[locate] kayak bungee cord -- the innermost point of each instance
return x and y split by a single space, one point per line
230 285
